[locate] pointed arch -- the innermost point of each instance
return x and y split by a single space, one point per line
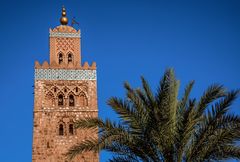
71 130
49 99
65 90
55 89
60 58
84 87
70 57
71 100
83 102
61 128
48 145
60 100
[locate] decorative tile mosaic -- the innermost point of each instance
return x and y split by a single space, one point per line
70 35
63 74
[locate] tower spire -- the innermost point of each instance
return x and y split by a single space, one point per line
64 19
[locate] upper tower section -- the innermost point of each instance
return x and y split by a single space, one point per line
65 44
65 48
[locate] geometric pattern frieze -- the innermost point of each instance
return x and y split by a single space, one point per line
69 35
65 44
63 74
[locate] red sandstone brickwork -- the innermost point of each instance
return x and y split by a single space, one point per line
59 103
65 45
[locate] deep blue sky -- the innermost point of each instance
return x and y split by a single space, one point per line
127 39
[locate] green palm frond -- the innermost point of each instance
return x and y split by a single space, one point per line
123 159
166 111
109 132
186 95
156 126
127 113
186 128
213 93
225 152
122 108
88 145
89 123
212 123
138 104
148 92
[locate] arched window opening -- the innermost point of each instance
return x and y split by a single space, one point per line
76 89
71 129
55 89
71 100
83 100
61 130
48 145
60 58
70 59
60 100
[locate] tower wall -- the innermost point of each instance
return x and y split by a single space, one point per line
64 91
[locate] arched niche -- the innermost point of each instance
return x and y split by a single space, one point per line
49 99
82 100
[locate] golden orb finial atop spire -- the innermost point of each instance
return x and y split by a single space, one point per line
64 19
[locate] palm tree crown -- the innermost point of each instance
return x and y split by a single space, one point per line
162 127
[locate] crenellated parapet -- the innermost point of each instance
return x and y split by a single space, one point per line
65 72
54 65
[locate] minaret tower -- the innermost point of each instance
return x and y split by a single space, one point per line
64 91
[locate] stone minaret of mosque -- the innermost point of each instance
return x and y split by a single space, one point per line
65 90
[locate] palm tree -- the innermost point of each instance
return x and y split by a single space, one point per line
162 127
